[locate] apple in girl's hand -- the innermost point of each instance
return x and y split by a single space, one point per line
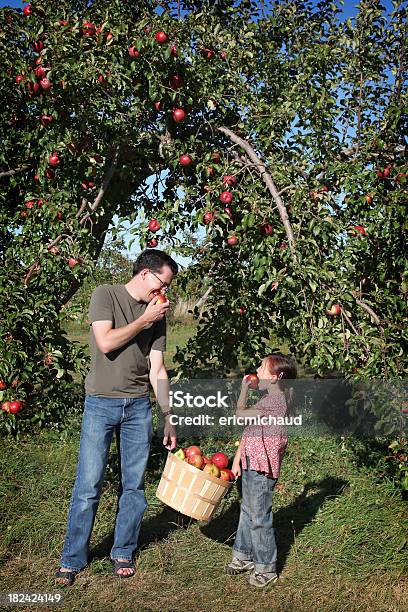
180 454
197 461
253 380
220 460
212 469
192 450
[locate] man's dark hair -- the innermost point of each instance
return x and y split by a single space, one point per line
154 260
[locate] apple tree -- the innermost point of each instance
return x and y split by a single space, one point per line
264 140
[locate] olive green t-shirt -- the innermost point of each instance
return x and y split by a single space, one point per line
123 372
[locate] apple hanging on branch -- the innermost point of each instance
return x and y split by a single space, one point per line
334 311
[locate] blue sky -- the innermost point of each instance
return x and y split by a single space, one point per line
349 8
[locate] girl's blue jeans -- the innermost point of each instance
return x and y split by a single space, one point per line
132 418
255 540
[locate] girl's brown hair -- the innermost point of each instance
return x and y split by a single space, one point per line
281 366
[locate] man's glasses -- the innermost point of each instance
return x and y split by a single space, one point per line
164 286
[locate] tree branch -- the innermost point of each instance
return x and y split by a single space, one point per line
16 171
105 184
370 311
267 178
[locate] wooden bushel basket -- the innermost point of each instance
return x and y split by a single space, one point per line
190 490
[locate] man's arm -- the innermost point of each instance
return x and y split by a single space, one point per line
160 383
109 339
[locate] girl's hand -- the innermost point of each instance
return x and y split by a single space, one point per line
236 468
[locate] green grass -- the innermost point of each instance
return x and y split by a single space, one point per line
342 544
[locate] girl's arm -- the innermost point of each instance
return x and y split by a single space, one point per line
236 464
243 396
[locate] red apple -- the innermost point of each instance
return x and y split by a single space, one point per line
196 460
154 225
232 240
242 310
133 52
176 81
54 159
207 53
38 46
158 106
161 37
40 72
33 88
101 78
335 310
208 217
45 84
63 22
15 406
3 385
108 36
266 229
185 160
5 406
19 79
360 229
29 204
212 469
387 172
229 180
225 475
72 262
220 460
161 299
152 243
178 114
226 197
88 29
192 450
206 460
253 381
46 120
27 10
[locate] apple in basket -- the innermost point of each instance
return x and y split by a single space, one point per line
220 460
226 475
212 469
192 450
180 454
206 460
197 461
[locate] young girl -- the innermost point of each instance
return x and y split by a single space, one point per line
260 453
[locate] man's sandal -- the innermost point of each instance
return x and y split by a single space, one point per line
117 565
66 578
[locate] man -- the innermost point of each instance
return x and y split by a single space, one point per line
127 339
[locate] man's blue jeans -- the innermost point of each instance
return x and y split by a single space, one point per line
255 539
102 415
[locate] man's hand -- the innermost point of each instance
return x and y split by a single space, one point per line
170 435
155 312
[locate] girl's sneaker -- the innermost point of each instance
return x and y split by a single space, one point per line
262 580
237 566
